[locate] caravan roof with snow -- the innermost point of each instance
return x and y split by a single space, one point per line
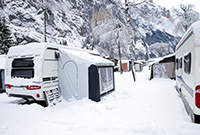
193 30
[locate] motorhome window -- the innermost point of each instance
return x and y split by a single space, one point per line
23 68
106 79
187 63
180 63
177 63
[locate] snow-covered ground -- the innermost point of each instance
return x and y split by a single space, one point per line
143 107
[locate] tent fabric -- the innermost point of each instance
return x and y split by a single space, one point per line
170 67
74 73
163 68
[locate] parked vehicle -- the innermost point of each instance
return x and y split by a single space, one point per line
30 70
188 70
40 71
2 72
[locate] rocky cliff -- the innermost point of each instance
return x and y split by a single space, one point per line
92 24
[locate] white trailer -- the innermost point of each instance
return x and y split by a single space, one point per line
188 70
30 70
42 70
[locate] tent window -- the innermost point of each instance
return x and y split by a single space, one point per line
106 79
180 63
187 63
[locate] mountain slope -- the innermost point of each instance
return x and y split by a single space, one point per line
92 24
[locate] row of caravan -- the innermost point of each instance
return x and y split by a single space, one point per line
43 71
188 70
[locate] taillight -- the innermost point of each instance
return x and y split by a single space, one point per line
8 86
197 96
33 87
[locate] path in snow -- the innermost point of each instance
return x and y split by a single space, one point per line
136 108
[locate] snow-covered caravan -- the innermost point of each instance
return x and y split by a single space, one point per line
31 69
40 71
84 75
2 72
188 70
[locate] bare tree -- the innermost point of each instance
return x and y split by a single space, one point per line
128 5
46 5
187 15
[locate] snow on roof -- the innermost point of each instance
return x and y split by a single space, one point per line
33 49
39 48
29 49
81 56
157 60
195 27
3 61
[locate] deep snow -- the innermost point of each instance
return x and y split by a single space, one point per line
143 107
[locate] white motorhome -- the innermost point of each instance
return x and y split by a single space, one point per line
37 70
188 70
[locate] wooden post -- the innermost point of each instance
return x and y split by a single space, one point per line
119 48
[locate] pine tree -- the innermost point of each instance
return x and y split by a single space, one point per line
6 40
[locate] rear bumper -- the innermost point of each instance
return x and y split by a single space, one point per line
26 94
20 96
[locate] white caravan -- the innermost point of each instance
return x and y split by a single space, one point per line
30 70
188 70
37 70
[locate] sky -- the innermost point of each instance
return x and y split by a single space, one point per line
174 3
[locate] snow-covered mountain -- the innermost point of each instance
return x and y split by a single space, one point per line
92 24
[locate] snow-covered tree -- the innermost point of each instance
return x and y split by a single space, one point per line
187 16
5 37
6 40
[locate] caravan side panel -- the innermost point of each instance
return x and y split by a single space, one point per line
197 73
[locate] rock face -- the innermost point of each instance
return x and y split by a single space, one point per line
92 24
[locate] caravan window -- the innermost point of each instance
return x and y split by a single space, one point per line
180 63
106 79
187 63
22 68
177 63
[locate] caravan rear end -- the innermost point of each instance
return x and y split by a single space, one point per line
30 70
